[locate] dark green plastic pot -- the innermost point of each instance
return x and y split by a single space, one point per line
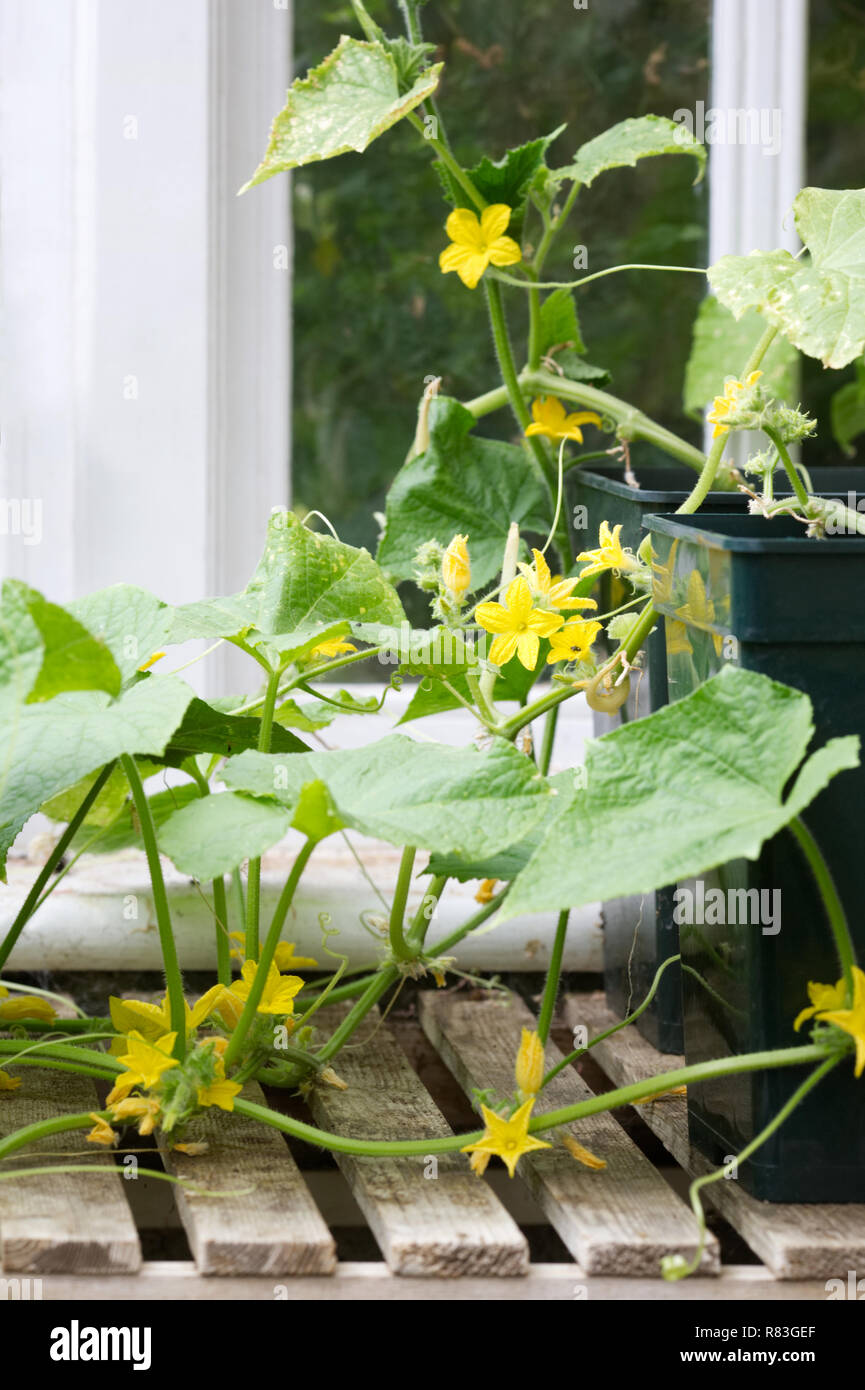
639 932
760 594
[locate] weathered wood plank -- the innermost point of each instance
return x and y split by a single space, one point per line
61 1222
430 1218
273 1229
621 1220
794 1241
363 1281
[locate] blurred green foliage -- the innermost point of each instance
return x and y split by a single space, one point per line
372 314
836 110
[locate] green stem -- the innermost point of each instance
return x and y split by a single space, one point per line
506 279
220 921
831 899
170 964
633 424
551 987
789 467
311 673
378 985
220 906
398 946
416 934
549 739
616 1027
452 165
30 902
59 1051
253 999
595 1105
253 876
786 1110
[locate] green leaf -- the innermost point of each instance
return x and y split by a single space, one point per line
847 411
211 618
720 346
315 815
639 137
317 714
409 793
208 730
505 180
576 368
420 651
50 746
132 623
695 784
21 648
72 658
306 589
305 579
819 305
124 830
214 834
107 806
461 483
559 323
342 105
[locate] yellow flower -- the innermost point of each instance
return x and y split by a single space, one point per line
143 1108
852 1020
102 1133
519 626
284 958
279 990
609 554
335 647
573 642
477 242
220 1092
26 1006
722 405
145 1062
478 1163
550 418
9 1083
530 1063
151 661
486 892
193 1149
456 567
822 997
553 590
510 1139
151 1021
584 1156
699 610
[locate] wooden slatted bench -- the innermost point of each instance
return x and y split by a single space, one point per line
441 1232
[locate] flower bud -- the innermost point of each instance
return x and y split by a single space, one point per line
456 568
530 1064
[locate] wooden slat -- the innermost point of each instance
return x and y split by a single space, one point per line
362 1281
432 1219
276 1228
795 1241
63 1222
621 1220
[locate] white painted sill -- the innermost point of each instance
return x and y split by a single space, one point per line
100 916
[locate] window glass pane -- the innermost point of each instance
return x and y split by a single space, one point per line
836 109
372 314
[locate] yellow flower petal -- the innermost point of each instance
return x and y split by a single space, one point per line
7 1082
494 221
584 1156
